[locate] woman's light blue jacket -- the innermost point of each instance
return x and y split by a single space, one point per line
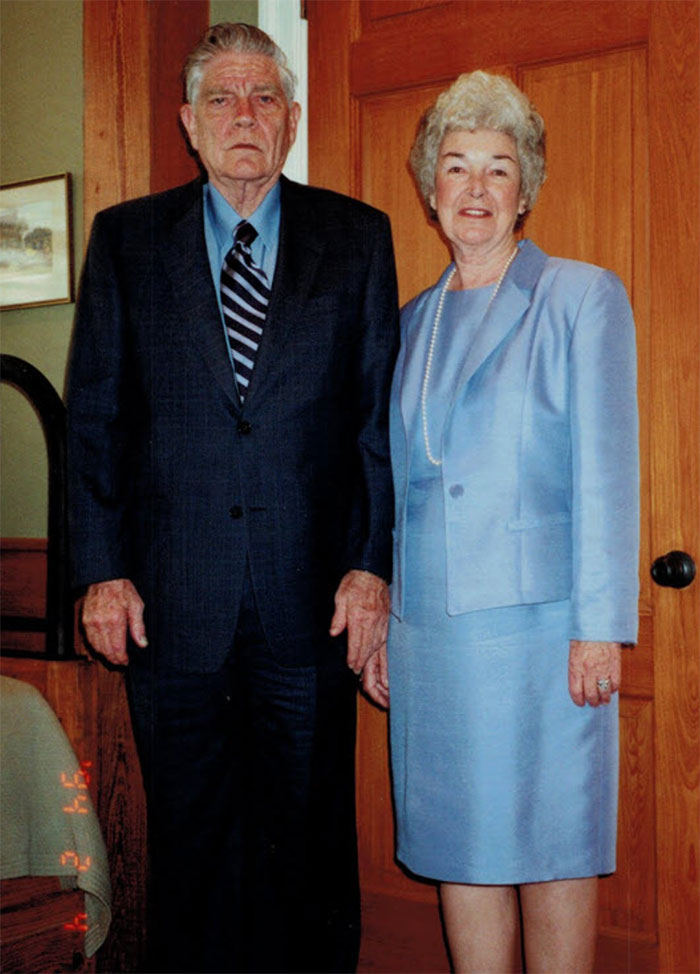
540 465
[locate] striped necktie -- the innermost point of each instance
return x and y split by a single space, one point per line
244 298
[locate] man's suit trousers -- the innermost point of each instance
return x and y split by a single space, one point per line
249 775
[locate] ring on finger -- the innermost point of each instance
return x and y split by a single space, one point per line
603 685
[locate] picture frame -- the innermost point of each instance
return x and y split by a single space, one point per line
36 242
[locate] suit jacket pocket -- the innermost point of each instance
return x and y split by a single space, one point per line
538 521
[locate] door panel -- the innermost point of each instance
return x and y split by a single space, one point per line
617 84
387 127
628 899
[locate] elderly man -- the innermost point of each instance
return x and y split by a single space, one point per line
231 517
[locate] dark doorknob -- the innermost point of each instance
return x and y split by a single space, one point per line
674 570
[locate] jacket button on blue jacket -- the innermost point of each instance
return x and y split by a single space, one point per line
236 511
244 426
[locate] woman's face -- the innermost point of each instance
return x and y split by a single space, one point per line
477 190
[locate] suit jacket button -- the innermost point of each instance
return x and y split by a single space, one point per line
236 511
244 426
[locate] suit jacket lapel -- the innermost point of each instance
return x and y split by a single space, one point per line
505 312
194 298
298 259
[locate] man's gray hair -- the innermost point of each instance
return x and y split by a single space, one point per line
482 101
240 39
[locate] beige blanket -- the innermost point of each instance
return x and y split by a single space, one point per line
49 826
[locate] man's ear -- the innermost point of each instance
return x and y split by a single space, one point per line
294 116
188 119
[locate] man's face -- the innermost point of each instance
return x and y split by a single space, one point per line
241 124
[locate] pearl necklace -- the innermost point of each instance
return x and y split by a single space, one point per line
433 342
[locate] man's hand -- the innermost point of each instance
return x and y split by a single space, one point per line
109 609
362 607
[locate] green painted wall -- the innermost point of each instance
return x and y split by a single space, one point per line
41 127
237 11
41 118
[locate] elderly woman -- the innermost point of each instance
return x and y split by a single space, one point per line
514 444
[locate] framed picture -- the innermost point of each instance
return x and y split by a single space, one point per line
36 248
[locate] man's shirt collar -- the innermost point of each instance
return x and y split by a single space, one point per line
225 219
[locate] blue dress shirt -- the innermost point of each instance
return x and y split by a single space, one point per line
220 220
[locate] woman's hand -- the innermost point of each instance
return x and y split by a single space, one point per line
375 678
594 671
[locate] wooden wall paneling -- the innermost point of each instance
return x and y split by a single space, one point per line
133 54
628 929
387 127
329 96
591 97
621 956
378 870
72 691
34 671
122 813
23 576
175 26
674 72
628 898
117 147
375 10
400 915
443 41
405 934
638 663
23 587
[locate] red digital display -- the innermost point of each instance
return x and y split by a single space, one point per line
78 923
77 785
70 858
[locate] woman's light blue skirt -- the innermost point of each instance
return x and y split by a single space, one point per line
499 778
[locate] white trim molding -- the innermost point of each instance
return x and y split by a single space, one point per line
282 20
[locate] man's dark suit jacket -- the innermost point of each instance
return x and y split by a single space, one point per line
174 484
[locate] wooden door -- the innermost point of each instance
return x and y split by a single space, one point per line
617 83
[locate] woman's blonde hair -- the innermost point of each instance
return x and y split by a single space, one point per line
482 101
